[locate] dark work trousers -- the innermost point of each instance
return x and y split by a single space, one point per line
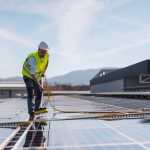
32 90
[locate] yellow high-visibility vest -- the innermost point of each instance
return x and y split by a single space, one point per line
40 65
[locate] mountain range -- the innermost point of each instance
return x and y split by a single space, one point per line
78 77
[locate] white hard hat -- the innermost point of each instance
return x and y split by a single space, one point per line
43 46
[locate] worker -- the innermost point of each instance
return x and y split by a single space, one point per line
33 70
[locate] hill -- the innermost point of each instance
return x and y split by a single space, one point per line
78 77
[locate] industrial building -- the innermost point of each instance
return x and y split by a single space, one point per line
133 78
12 89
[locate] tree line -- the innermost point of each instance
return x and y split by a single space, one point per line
67 87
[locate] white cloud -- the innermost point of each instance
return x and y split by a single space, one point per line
127 21
76 20
72 18
117 50
15 38
129 41
116 3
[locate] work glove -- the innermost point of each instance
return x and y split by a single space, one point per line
43 74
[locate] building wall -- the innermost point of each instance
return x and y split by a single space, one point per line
4 93
12 93
131 81
18 93
113 86
133 84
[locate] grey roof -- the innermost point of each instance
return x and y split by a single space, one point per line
103 70
133 70
12 85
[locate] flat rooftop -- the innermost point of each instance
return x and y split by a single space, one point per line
12 85
74 130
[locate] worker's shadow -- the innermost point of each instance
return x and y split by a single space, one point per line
35 137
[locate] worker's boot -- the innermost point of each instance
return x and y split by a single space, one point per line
32 116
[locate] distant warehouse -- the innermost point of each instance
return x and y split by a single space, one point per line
132 78
12 89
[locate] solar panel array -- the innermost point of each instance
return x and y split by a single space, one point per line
52 130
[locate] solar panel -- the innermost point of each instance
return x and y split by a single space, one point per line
82 134
4 134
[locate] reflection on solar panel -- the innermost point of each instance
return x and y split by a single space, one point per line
53 131
4 135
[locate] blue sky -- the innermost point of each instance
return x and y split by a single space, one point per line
82 34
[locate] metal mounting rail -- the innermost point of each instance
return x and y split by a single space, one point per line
14 124
140 115
107 117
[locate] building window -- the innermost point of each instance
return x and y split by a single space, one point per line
2 92
18 94
104 73
100 74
